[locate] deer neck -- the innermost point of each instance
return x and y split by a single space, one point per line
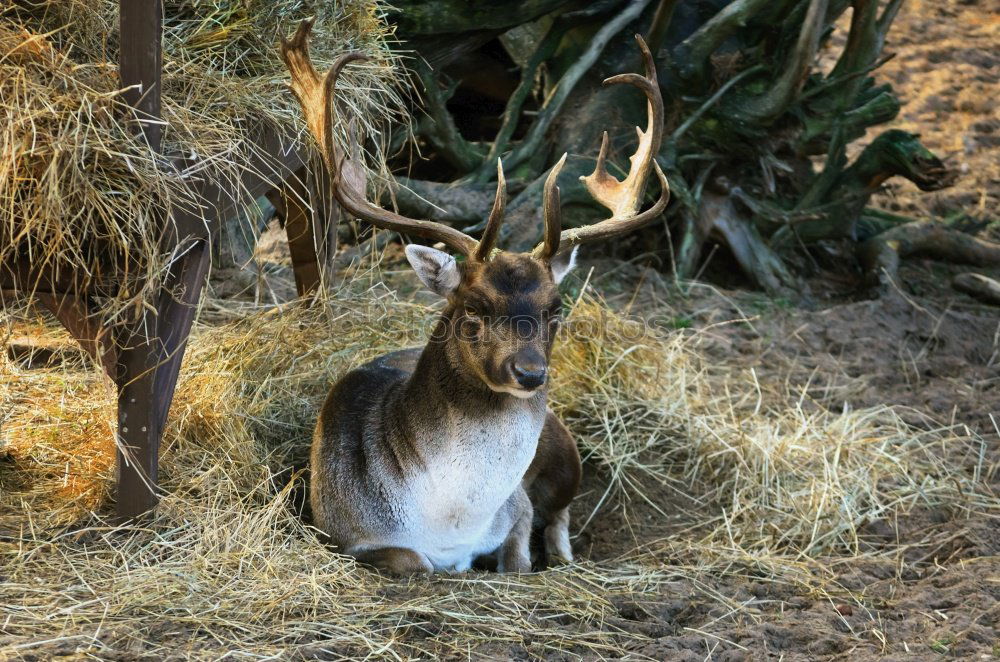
443 394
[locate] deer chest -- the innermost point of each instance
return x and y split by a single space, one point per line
483 467
455 501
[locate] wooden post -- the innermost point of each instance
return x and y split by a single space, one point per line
138 439
140 66
150 365
140 63
301 234
177 307
311 216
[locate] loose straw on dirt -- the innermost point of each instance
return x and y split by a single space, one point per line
782 488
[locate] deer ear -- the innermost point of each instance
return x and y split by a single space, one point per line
562 264
435 269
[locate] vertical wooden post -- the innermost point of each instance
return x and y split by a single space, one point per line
151 363
300 231
138 437
140 62
140 66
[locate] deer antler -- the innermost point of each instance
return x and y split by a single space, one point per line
492 231
317 96
621 198
347 176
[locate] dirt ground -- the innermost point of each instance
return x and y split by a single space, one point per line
935 354
946 72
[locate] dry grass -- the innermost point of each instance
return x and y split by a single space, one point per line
66 441
228 568
79 190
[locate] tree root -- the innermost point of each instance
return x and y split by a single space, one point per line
534 140
523 224
841 202
880 255
693 53
455 204
976 285
719 216
769 106
512 112
439 126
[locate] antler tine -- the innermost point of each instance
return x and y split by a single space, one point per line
492 231
551 213
623 198
317 98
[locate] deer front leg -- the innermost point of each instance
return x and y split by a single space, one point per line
514 554
552 482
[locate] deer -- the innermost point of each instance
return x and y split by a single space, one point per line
433 459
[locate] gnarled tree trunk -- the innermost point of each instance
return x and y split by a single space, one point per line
746 109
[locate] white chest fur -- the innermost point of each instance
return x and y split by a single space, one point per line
453 507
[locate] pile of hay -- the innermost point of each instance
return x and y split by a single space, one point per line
78 189
230 568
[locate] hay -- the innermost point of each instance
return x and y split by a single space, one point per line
227 567
78 189
61 449
784 475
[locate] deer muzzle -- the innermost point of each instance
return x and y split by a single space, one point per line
528 368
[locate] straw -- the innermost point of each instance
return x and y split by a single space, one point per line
781 487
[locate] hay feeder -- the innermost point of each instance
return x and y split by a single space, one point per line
143 354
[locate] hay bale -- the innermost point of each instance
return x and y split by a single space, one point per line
78 190
57 446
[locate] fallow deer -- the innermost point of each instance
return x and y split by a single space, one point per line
427 459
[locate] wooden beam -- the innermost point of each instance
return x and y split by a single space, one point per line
21 276
277 159
148 371
81 320
138 438
177 308
140 66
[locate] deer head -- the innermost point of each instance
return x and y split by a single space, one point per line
503 308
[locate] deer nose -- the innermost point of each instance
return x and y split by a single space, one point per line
529 371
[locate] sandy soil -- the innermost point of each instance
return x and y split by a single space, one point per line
947 74
936 354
